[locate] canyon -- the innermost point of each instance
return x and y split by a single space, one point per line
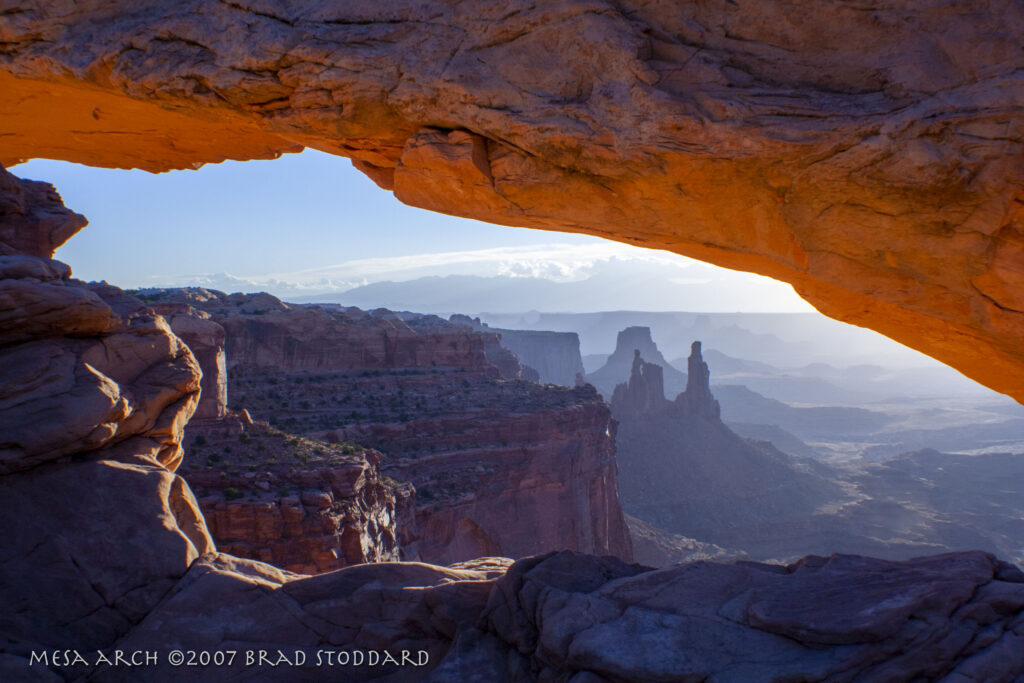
870 157
555 356
470 435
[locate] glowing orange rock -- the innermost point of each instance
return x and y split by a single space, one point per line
871 157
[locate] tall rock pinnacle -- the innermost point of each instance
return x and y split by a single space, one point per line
697 399
645 391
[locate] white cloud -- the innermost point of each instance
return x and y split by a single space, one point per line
614 270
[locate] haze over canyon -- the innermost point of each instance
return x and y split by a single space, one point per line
508 460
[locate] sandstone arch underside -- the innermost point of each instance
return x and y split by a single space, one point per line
868 153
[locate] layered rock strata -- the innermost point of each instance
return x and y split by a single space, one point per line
555 356
205 339
422 390
95 392
83 367
302 505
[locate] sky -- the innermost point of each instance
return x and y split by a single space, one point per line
308 224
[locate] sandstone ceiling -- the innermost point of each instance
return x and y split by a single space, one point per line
869 153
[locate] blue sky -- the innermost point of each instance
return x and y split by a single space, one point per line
310 223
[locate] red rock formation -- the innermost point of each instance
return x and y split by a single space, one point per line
681 469
205 339
870 158
94 395
307 507
697 399
264 332
621 363
553 356
83 367
109 551
644 393
554 467
33 219
422 391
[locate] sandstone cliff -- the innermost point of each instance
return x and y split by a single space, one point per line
555 356
298 504
83 367
205 339
94 394
423 391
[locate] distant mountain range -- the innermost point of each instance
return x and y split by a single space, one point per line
607 285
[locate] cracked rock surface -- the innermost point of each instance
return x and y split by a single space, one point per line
868 154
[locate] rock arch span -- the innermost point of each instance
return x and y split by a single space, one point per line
868 153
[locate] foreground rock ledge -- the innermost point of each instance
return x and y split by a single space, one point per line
871 157
956 617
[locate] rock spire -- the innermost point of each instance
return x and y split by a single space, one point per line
697 399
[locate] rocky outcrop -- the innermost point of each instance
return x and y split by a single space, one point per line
697 399
683 471
205 339
555 356
91 548
873 157
507 362
654 547
841 618
644 393
473 445
302 505
617 369
264 332
94 392
554 465
83 367
422 390
33 218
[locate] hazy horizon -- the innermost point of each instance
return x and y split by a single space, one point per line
309 224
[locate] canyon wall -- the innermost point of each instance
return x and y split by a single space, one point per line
555 356
474 441
106 550
304 506
871 158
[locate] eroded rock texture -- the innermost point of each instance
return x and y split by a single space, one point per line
94 395
473 440
83 366
842 618
871 156
301 505
955 618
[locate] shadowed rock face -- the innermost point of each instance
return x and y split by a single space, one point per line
870 157
84 368
422 390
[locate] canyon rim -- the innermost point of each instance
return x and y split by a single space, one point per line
870 155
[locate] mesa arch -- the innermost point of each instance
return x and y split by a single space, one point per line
869 154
